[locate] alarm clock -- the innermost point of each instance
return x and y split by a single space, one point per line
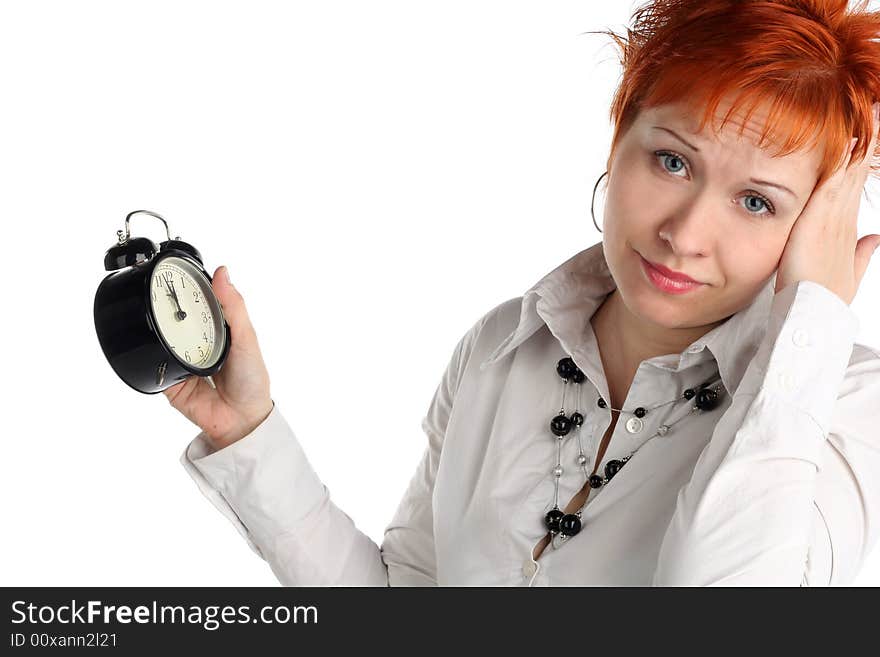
156 315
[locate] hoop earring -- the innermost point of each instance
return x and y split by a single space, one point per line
592 202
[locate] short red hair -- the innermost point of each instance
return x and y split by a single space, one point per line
814 62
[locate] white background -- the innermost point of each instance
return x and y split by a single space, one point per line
375 175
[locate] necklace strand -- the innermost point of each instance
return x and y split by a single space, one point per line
563 526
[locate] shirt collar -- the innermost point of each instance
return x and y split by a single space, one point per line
566 298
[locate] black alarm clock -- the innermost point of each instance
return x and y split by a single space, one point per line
156 315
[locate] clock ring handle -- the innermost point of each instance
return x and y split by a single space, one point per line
124 238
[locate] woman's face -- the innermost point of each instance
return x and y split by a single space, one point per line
696 208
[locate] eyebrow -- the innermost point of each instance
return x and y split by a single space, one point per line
766 183
677 136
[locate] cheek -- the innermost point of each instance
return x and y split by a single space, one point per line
746 264
627 210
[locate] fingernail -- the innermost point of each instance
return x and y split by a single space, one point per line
226 274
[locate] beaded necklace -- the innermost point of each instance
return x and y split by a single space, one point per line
565 525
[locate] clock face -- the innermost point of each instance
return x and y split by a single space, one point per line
187 313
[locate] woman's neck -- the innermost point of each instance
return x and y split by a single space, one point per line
625 340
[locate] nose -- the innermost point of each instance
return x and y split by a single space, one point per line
688 227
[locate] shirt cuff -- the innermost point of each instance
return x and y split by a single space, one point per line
806 350
263 483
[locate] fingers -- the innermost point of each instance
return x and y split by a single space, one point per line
864 251
852 146
872 147
855 174
234 309
176 394
172 392
876 124
189 395
835 194
835 184
865 162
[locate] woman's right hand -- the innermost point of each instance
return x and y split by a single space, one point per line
241 400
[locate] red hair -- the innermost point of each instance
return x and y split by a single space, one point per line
815 63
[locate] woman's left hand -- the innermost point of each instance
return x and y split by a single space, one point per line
822 246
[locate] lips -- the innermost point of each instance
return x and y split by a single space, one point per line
670 273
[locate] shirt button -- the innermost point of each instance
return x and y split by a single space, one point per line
786 381
529 567
634 425
800 337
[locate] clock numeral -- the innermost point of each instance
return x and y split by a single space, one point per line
201 353
205 335
183 282
196 295
158 281
204 317
186 353
170 276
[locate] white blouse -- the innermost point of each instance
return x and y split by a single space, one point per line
778 485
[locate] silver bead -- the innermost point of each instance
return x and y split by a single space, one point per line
662 429
557 471
581 459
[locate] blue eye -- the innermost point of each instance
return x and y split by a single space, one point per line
764 202
670 156
759 199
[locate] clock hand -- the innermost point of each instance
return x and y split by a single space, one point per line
179 315
182 313
164 280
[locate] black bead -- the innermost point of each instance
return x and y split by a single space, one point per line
601 403
560 425
570 524
689 393
578 376
640 412
577 419
707 399
595 481
565 368
612 468
552 519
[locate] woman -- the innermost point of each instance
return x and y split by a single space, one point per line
747 453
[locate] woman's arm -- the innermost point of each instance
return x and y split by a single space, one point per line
787 492
265 485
